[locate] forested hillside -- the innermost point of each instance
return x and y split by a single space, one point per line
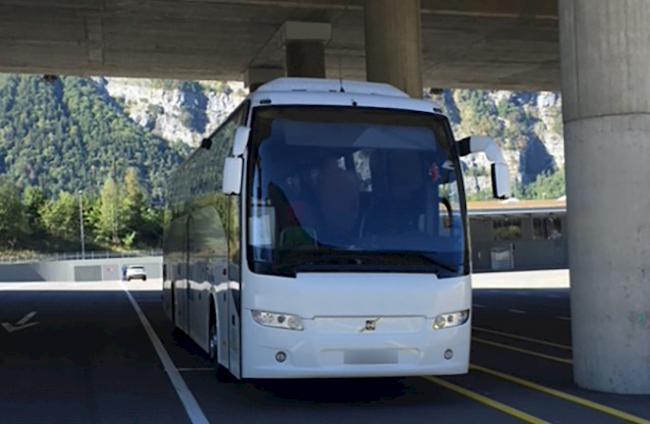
119 139
70 134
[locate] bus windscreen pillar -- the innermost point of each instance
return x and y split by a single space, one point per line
605 58
304 44
394 44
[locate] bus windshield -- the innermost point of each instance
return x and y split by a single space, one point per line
351 189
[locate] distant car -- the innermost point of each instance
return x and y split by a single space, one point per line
135 272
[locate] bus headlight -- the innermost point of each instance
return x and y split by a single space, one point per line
452 319
276 320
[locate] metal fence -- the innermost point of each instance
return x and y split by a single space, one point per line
72 256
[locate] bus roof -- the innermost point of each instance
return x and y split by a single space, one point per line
324 92
318 85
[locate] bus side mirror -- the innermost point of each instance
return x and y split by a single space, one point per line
241 141
232 173
500 174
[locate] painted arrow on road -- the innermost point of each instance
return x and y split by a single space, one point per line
22 324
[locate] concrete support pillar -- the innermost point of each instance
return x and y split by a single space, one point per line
305 58
605 54
254 77
305 48
394 44
300 44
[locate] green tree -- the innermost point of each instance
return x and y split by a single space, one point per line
151 232
61 218
92 217
133 205
108 227
34 200
64 136
12 218
547 186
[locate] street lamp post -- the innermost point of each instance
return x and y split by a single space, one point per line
81 225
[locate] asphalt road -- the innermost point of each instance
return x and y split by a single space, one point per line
89 360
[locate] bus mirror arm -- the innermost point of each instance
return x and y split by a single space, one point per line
499 168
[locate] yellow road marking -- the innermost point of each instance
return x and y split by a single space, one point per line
521 350
523 338
565 396
486 401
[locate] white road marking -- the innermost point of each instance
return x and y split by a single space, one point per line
22 324
564 318
476 305
190 404
516 311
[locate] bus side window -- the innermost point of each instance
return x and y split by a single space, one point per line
222 144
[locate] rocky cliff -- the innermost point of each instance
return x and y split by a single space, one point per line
176 110
528 125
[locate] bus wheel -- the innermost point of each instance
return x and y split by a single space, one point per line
173 304
223 375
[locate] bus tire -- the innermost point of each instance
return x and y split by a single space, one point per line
173 303
222 374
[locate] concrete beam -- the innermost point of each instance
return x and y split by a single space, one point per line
466 43
306 31
95 38
542 9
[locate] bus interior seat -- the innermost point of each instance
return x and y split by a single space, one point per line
339 198
397 209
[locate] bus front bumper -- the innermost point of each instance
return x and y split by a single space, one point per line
313 353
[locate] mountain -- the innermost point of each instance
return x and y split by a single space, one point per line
180 111
69 134
527 126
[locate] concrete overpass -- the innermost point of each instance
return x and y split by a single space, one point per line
493 43
601 46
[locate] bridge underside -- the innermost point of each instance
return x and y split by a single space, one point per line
471 43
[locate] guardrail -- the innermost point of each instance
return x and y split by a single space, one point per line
72 256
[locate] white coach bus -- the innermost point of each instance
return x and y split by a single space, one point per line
321 231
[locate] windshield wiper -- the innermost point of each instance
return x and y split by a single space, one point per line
361 261
311 262
423 257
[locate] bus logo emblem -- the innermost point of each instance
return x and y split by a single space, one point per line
371 325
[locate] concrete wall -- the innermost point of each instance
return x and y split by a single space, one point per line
78 270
